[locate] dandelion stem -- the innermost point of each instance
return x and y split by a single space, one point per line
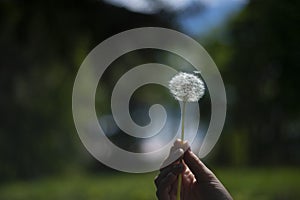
182 121
182 139
179 186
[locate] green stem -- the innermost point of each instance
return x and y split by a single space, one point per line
182 121
182 139
179 186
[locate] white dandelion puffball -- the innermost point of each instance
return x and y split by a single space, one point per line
186 87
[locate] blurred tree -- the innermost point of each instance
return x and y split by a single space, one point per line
261 76
44 42
42 45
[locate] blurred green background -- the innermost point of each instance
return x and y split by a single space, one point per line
254 43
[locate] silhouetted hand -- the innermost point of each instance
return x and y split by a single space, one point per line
198 182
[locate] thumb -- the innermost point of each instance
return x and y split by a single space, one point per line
176 152
200 171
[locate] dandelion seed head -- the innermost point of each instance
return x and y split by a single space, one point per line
186 87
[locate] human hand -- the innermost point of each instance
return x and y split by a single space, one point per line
198 182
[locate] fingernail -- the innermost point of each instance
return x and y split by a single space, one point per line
181 151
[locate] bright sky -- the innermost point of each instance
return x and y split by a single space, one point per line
152 6
215 13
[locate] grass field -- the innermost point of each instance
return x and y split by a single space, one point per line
243 184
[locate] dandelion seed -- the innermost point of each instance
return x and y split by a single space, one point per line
186 87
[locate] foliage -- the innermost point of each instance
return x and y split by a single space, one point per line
244 184
258 57
44 42
42 46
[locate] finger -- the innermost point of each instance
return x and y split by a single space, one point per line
177 143
173 157
164 187
181 144
187 178
176 152
175 169
200 171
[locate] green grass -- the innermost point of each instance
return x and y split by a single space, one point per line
262 184
243 184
